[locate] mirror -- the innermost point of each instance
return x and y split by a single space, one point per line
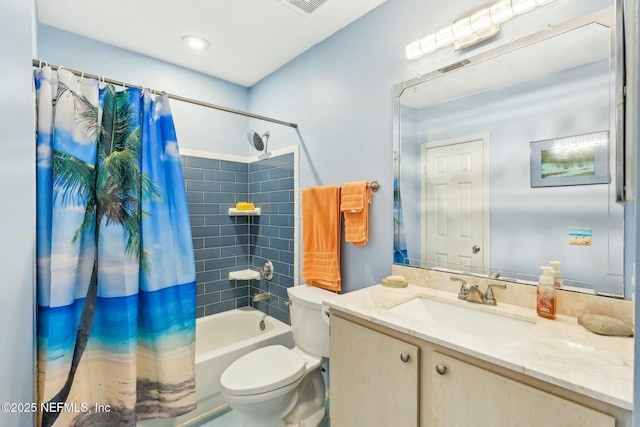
512 158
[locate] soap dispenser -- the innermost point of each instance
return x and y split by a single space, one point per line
556 273
546 294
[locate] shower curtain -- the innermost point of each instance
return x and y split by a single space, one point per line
400 255
116 272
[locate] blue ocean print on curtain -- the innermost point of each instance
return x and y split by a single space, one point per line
116 271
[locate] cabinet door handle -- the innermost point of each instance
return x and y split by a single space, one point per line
404 357
441 369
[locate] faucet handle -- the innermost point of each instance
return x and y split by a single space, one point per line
464 289
489 299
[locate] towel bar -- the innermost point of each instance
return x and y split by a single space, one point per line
374 186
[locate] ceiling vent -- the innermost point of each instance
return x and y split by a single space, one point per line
304 7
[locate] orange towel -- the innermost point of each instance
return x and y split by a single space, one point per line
354 203
321 229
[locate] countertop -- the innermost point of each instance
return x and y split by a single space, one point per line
559 351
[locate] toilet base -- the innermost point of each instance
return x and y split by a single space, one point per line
305 406
309 410
314 420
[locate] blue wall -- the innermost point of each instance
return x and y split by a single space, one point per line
17 225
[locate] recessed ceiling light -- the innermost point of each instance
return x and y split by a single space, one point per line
195 42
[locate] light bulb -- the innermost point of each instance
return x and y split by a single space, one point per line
444 36
429 44
522 6
501 11
481 20
462 28
413 50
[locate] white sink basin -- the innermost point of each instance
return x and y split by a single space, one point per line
467 320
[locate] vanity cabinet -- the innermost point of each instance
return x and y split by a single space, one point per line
465 395
374 381
381 377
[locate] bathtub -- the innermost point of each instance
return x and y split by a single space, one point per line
220 340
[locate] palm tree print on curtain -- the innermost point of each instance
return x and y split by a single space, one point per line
116 272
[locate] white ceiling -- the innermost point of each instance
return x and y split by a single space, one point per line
249 38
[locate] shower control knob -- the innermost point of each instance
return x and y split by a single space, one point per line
404 357
267 270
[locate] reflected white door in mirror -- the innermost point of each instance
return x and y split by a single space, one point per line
454 194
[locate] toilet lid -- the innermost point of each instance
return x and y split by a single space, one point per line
265 369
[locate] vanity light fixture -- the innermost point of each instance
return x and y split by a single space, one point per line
195 42
480 26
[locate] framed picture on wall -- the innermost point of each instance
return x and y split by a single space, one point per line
572 160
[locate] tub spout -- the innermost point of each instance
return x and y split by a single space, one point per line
262 296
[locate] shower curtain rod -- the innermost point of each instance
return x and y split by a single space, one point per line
39 63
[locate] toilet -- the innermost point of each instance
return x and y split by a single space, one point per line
276 386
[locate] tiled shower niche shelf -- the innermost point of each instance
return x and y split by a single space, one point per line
245 212
244 275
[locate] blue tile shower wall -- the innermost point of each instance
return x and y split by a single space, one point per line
220 241
223 243
271 187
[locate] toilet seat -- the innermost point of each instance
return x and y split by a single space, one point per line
263 370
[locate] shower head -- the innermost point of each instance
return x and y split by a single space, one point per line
257 141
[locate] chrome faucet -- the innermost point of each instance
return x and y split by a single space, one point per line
466 290
262 296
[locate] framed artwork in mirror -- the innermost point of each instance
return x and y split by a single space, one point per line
572 160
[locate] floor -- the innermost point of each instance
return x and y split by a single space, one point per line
231 419
227 419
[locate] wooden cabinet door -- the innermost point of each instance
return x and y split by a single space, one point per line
373 378
466 395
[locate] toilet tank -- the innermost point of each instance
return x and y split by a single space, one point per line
309 322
